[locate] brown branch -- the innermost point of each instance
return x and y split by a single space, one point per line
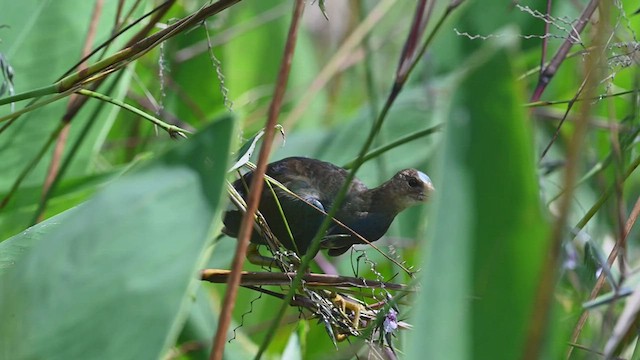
246 226
219 276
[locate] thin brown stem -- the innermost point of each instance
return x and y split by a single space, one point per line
420 19
219 276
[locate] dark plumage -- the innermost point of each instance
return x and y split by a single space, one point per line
368 212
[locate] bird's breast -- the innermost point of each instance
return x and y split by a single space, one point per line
371 226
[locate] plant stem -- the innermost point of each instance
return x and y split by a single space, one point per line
171 129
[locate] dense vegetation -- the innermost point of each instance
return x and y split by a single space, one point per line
120 120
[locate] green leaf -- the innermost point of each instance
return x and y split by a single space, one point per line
489 236
15 248
115 278
247 149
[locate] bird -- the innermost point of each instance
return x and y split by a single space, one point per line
313 186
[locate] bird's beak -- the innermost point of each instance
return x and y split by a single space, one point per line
427 192
429 189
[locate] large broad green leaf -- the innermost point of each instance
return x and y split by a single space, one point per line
489 237
115 278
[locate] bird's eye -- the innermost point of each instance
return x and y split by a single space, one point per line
413 182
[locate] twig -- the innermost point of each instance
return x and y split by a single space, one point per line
545 40
566 113
219 276
172 130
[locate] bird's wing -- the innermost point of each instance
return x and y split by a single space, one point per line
323 178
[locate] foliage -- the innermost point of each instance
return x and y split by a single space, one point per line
108 214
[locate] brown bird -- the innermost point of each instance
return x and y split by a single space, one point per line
367 212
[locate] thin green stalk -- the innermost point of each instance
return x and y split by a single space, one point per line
32 107
403 140
594 98
171 129
47 90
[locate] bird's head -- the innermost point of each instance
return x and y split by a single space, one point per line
409 187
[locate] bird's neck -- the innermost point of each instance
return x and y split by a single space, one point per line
368 213
382 200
